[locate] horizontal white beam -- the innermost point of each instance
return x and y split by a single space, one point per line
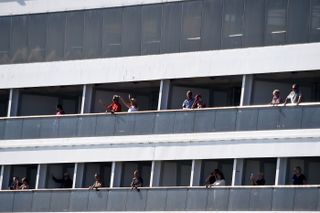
19 7
281 143
270 59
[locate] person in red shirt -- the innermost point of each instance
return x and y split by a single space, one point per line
115 106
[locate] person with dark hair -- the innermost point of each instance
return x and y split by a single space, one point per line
97 184
66 181
298 178
211 178
115 106
198 103
25 184
295 96
258 179
137 181
188 102
220 181
15 184
59 110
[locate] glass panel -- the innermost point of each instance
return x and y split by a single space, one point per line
311 117
163 123
97 200
204 121
128 169
87 126
49 128
247 119
74 35
19 39
315 21
2 128
219 199
239 199
156 200
6 201
136 203
22 202
225 120
111 32
31 128
106 125
5 24
183 122
125 124
254 23
67 126
261 200
175 173
103 169
56 36
131 31
276 12
298 21
268 119
78 201
144 123
41 201
290 118
13 129
211 27
176 199
257 170
92 40
232 23
117 200
37 34
171 28
151 29
60 201
191 26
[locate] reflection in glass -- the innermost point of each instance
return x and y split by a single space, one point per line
315 20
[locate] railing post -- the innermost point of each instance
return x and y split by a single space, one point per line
237 172
164 94
86 101
13 103
246 90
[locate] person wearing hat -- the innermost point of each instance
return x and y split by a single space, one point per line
115 106
97 183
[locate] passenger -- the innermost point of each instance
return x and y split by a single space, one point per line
131 104
97 184
115 106
276 99
219 179
258 179
294 96
25 184
15 184
198 103
188 102
66 181
59 110
137 181
211 178
298 178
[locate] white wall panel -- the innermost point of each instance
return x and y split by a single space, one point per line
166 66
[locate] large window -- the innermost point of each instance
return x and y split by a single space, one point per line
175 173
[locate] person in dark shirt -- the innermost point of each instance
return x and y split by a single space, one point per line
15 184
258 179
66 181
59 110
211 178
298 178
137 181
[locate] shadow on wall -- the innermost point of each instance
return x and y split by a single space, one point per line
20 2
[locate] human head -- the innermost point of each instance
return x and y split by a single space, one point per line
15 178
97 177
297 170
276 92
59 107
295 87
24 180
136 173
189 94
198 97
115 98
133 102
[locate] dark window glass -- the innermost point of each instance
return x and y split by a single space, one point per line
111 32
171 28
5 24
191 26
37 32
276 12
56 36
315 21
232 24
131 31
19 45
211 25
151 29
254 23
298 21
74 35
92 34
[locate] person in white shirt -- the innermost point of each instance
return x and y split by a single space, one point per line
219 180
295 96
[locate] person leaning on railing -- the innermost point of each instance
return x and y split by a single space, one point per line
295 96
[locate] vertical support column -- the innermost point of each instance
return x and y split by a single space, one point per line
155 173
41 179
281 171
13 103
1 176
237 172
38 176
195 173
86 101
75 171
164 92
79 175
6 170
116 172
246 90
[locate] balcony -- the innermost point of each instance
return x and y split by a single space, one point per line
253 118
303 198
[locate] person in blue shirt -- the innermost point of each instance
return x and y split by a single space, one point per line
188 102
